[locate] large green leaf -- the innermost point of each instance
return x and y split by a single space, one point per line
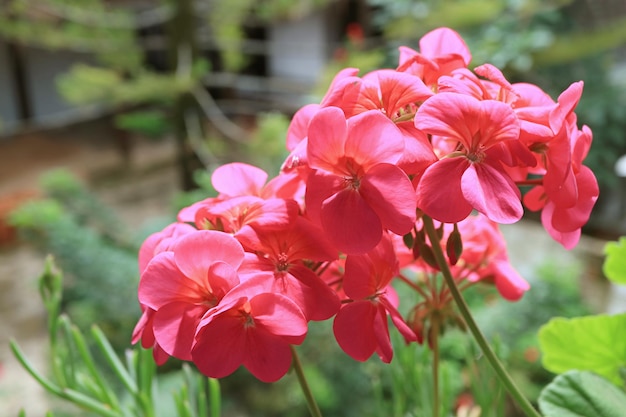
615 263
582 394
593 343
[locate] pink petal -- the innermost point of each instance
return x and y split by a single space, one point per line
444 41
381 332
439 192
319 187
237 179
451 115
188 214
222 277
498 123
359 281
350 223
400 89
418 151
395 210
343 75
220 345
567 102
279 316
509 283
372 138
175 327
567 239
407 333
354 329
492 192
195 252
162 283
267 356
326 141
572 218
535 198
272 214
298 128
318 300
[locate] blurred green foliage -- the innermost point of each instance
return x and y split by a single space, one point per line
150 123
94 248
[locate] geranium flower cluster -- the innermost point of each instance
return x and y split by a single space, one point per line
237 278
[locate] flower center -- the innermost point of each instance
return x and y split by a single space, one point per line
282 262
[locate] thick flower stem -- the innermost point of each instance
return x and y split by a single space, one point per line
503 375
306 390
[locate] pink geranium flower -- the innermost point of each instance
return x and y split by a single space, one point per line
361 327
349 193
183 284
277 264
472 176
249 329
441 51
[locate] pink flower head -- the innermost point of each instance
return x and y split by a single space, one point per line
278 264
394 93
441 52
236 215
360 327
253 330
565 211
349 194
471 177
183 284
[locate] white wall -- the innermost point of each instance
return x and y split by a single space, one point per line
298 48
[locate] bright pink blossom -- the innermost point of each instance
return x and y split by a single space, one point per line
441 52
183 284
361 327
277 263
471 177
349 194
254 330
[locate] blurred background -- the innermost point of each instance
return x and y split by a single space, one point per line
113 114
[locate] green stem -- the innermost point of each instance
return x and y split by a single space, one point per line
497 366
434 331
306 390
215 397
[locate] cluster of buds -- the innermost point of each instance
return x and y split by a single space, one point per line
237 278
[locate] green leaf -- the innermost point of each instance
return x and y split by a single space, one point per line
593 343
614 267
582 394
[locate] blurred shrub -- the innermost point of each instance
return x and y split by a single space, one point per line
93 247
149 123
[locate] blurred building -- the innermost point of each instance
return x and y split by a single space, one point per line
285 59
